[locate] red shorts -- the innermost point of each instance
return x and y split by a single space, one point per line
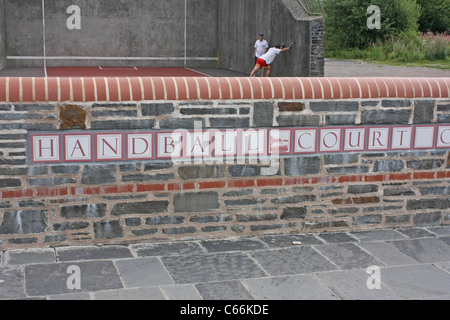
262 63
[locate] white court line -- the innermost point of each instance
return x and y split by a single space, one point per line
113 58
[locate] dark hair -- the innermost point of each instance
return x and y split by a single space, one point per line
278 46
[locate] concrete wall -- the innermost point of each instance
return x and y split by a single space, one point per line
51 204
280 20
155 28
113 28
2 35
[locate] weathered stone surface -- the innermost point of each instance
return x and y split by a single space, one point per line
427 164
265 227
346 170
84 211
335 106
10 183
237 171
294 213
176 123
302 166
65 169
196 202
358 189
114 113
340 158
229 122
389 166
298 120
133 222
177 231
435 191
243 202
424 111
263 114
123 124
294 199
399 192
99 174
147 207
24 222
165 220
385 116
396 103
208 111
108 230
368 219
428 219
256 217
211 219
70 226
428 203
54 181
146 177
340 119
72 117
201 172
157 109
403 218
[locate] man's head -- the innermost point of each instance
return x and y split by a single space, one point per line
261 36
278 46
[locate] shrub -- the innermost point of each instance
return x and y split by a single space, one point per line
435 15
346 25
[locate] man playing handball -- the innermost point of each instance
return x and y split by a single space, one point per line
266 60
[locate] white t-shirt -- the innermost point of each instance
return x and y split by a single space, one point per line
261 47
270 55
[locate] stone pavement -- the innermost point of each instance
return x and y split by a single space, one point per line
414 262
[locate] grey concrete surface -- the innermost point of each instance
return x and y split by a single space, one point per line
356 68
263 268
2 35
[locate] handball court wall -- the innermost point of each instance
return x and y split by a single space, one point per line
59 187
159 33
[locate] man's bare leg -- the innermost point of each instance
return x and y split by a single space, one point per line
255 70
269 70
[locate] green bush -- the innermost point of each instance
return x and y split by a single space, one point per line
346 22
435 15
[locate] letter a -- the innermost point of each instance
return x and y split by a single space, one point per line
74 281
374 21
74 21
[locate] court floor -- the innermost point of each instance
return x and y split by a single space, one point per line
118 72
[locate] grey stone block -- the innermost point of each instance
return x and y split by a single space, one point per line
181 292
340 119
424 111
165 220
435 191
336 237
340 159
428 203
440 231
24 222
428 219
65 169
368 219
92 253
263 114
294 199
201 172
360 189
144 232
415 233
108 230
123 124
238 171
256 217
298 120
34 107
396 103
228 290
335 106
211 219
10 183
84 211
157 109
389 166
114 113
146 177
70 226
208 111
51 279
50 181
348 256
268 227
157 166
399 192
30 256
385 116
143 272
214 267
387 253
302 166
294 213
425 250
346 170
179 231
213 229
12 284
428 164
196 202
229 122
167 249
176 123
378 235
99 174
147 207
280 241
244 244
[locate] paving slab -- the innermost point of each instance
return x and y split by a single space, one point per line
226 290
93 253
278 241
444 265
11 283
387 253
336 237
167 249
425 250
30 256
445 239
348 256
181 292
440 231
292 261
71 297
143 272
130 294
416 233
244 244
301 287
416 282
352 285
211 267
378 235
51 279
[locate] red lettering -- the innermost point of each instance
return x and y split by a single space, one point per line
172 144
350 140
116 150
300 141
41 148
78 146
442 137
325 140
134 146
377 138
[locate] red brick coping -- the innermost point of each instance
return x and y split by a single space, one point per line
159 88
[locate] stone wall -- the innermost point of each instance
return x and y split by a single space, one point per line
2 35
54 204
